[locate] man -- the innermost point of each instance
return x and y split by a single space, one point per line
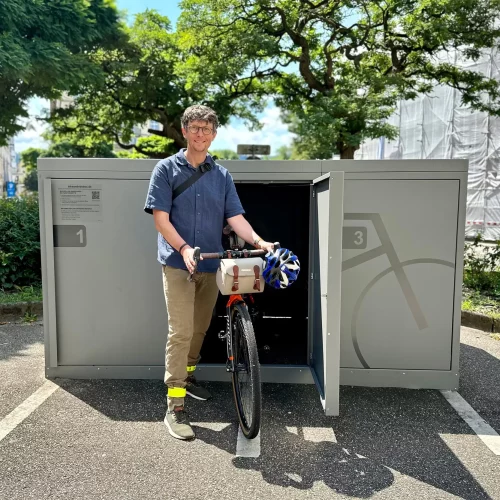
194 218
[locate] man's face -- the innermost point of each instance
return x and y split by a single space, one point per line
199 135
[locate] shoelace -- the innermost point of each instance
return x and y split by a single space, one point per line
181 416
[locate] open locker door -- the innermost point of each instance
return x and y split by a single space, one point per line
327 193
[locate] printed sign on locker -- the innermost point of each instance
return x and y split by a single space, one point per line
78 202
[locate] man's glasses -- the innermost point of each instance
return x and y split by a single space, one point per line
194 129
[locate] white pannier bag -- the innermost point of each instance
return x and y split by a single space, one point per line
239 276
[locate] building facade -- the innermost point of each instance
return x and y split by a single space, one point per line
8 166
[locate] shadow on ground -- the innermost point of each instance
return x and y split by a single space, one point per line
18 337
379 431
479 376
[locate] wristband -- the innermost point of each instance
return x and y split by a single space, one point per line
182 246
256 242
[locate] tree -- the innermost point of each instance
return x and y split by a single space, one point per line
74 146
150 80
44 50
151 146
31 180
338 67
29 158
285 153
225 154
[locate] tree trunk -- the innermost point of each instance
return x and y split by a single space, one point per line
347 152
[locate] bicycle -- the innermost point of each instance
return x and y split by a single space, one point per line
242 356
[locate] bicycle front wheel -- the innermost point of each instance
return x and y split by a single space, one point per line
246 377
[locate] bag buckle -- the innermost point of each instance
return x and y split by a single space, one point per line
235 279
256 271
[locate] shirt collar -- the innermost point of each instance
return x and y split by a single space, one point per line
181 159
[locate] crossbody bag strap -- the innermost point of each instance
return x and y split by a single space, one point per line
202 169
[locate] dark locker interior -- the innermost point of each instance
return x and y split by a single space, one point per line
277 212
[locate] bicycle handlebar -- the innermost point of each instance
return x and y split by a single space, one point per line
234 254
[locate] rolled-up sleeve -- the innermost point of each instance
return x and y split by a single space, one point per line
233 205
159 195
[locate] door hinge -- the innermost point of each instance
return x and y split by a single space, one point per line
314 193
312 276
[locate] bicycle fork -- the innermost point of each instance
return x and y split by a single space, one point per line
226 335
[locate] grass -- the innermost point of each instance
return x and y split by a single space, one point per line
21 294
29 318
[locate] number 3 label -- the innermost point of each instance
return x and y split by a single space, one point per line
354 238
359 238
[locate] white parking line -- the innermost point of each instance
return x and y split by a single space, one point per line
248 448
483 430
26 408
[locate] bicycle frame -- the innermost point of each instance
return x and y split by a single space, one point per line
233 299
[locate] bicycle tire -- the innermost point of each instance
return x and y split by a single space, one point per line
246 388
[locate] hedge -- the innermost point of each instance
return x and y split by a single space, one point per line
20 262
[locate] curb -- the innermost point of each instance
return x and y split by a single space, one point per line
480 322
17 310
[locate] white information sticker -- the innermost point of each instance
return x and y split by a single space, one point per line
79 202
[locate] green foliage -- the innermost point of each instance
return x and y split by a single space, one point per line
78 149
225 154
31 181
151 146
481 267
154 76
21 294
29 317
474 300
44 49
326 125
19 242
29 158
284 153
338 68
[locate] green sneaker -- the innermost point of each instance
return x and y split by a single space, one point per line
177 422
195 390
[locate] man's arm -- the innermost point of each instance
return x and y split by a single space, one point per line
168 231
245 231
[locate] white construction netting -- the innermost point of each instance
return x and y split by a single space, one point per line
438 126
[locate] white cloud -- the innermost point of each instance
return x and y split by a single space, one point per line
274 133
32 136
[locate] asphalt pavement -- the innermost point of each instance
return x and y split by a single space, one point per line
93 439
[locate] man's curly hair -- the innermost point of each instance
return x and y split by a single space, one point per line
199 112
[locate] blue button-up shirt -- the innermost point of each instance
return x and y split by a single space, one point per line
198 213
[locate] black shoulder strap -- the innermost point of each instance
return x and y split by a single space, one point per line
204 167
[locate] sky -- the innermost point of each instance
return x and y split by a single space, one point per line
273 133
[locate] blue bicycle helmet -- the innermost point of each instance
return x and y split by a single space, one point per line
282 268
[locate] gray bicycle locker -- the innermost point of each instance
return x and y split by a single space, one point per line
378 298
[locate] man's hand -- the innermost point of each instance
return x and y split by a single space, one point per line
188 256
265 245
